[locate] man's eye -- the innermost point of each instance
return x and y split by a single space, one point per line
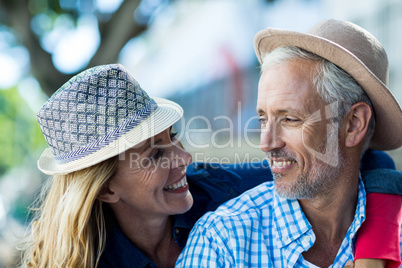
290 119
262 120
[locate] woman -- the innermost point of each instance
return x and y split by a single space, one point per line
119 187
112 152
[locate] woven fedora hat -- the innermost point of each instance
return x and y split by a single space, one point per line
358 53
96 115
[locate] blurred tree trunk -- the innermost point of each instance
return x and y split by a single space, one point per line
114 34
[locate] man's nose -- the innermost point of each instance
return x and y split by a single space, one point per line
271 137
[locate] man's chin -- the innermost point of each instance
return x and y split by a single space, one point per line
284 190
298 189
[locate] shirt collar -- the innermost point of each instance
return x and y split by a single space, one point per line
181 228
120 252
291 223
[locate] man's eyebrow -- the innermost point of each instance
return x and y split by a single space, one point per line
282 111
259 110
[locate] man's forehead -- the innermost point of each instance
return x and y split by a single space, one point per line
299 97
289 73
277 93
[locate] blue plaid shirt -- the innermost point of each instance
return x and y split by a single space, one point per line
260 229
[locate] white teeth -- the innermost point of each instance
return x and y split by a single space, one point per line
177 185
282 163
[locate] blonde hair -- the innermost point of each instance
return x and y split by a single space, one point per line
68 229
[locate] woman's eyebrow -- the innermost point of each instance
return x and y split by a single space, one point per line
149 143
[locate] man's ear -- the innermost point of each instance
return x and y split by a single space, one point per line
107 195
357 123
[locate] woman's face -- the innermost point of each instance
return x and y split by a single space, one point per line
150 179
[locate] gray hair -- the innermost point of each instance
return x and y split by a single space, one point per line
333 84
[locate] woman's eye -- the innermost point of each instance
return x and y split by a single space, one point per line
157 154
173 136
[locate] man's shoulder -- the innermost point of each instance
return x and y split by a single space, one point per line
246 207
256 198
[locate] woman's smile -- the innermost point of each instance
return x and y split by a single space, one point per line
181 185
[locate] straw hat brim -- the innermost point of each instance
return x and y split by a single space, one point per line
388 113
162 118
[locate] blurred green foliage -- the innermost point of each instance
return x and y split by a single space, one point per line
20 135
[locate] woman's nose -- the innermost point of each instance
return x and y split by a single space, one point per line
181 157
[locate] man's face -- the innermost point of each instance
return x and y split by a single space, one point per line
300 142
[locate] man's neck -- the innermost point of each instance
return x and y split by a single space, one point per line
330 216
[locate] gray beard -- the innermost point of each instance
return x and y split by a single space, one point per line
318 180
309 185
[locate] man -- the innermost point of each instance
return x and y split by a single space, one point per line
316 99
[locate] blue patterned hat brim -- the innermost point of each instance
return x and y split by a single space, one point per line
162 118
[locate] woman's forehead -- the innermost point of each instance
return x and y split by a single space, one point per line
150 142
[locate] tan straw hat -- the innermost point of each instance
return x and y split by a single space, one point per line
99 114
357 52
